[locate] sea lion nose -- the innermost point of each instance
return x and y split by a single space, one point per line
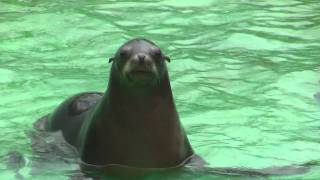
141 58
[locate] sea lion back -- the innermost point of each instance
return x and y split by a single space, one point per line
70 115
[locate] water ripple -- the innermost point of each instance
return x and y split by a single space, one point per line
244 73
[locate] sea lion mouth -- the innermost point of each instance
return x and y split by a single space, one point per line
140 72
140 76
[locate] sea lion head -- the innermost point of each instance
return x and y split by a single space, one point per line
139 62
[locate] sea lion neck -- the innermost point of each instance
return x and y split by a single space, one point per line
120 95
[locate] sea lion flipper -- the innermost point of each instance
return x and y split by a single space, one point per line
84 102
196 161
41 124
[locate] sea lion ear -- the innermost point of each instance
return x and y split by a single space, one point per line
167 58
111 59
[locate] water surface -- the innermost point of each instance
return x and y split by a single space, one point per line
243 73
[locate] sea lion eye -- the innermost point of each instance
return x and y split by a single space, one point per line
156 52
124 52
159 55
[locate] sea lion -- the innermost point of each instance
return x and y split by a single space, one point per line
134 126
135 122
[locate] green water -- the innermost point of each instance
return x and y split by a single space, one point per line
243 73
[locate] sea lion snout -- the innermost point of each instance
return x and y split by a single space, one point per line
141 67
141 60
